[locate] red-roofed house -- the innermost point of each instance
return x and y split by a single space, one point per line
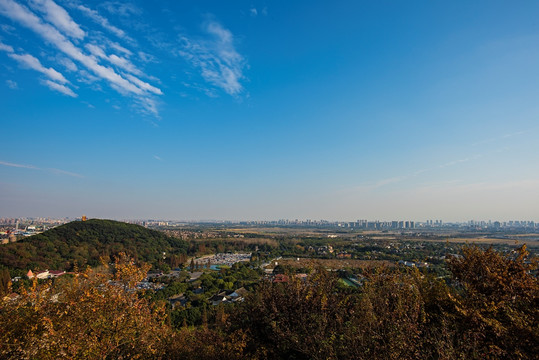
280 278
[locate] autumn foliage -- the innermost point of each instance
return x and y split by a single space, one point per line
489 309
89 316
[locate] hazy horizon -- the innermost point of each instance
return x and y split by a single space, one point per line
257 110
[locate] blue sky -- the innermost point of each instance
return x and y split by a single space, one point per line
270 109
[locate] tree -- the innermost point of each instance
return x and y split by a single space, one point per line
85 316
5 282
499 302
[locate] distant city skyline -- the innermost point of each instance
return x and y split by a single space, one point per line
395 223
258 110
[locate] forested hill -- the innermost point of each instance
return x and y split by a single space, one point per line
84 243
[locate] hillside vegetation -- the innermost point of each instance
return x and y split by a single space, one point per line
488 310
84 243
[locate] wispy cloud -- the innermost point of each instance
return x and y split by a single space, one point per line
4 163
478 187
56 36
143 85
157 158
216 57
121 8
396 179
506 136
12 84
119 48
59 17
380 183
253 12
7 48
34 63
57 80
455 162
384 182
104 22
63 172
114 59
68 64
32 167
60 88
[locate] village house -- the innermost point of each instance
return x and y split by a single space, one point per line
47 274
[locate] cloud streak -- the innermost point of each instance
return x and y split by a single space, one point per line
397 179
60 88
59 17
4 163
216 57
6 48
506 136
33 63
12 84
140 90
63 172
32 167
104 22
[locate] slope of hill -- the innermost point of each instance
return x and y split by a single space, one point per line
83 243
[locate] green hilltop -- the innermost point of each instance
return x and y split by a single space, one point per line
81 243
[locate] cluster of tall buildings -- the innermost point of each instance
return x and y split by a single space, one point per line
513 224
358 224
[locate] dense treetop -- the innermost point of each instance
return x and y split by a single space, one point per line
489 309
85 243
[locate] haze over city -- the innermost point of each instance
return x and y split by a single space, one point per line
269 110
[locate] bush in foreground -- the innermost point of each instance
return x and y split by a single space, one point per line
489 310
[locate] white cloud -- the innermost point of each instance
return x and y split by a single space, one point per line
12 84
34 63
63 172
219 62
18 165
8 28
253 12
146 57
59 17
96 50
86 77
455 162
119 48
124 64
32 167
6 48
121 8
104 22
147 105
144 85
59 87
68 64
51 35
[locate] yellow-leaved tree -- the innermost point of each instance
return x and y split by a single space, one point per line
91 315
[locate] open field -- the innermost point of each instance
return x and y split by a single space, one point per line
278 231
479 240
